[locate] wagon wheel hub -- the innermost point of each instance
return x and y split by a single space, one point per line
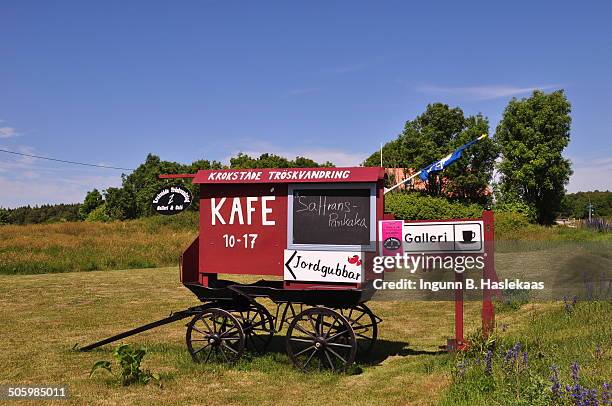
320 343
214 339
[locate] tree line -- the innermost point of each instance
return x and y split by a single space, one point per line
133 199
576 205
526 149
47 213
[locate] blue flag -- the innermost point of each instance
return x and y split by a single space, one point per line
447 160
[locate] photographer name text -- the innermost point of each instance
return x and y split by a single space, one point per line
467 284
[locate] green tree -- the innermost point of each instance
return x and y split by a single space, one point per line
121 203
532 136
244 161
4 216
144 182
433 135
576 204
93 200
98 214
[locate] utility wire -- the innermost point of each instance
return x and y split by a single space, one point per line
64 161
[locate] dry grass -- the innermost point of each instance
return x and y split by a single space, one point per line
83 246
45 315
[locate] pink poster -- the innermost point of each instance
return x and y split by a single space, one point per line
391 234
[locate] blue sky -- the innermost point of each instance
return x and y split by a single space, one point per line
108 82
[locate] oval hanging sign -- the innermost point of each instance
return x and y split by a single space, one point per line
171 200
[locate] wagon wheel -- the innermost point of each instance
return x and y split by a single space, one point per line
320 338
215 335
365 326
258 327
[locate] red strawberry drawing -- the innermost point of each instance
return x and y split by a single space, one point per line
354 260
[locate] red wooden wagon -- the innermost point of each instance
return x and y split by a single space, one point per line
314 229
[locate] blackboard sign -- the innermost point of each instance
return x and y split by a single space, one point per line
331 216
171 200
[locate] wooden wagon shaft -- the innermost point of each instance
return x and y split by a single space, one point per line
167 320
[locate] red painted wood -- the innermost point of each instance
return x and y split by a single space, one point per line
266 256
290 175
488 310
188 263
459 340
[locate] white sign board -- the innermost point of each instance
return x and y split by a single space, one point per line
323 266
439 236
464 236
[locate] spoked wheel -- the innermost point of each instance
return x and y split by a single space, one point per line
320 338
365 326
258 327
215 336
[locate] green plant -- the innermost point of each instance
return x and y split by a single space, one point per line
479 344
413 206
513 299
129 360
99 214
508 223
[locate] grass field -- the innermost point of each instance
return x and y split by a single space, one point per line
158 241
45 315
85 246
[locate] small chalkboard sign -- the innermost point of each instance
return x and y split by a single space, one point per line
171 199
331 216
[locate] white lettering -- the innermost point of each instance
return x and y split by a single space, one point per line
236 209
249 208
215 211
265 210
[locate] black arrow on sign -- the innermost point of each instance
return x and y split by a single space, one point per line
287 264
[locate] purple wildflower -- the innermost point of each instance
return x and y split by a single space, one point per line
574 300
511 357
590 397
575 372
488 362
605 394
556 386
525 359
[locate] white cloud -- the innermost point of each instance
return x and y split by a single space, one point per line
33 188
255 148
592 174
25 180
484 92
8 132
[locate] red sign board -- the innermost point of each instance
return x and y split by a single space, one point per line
243 229
290 175
244 214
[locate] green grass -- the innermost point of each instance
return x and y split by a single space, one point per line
551 335
45 315
85 246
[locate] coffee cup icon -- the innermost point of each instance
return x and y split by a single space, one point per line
468 236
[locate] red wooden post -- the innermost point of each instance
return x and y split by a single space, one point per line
488 311
459 340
